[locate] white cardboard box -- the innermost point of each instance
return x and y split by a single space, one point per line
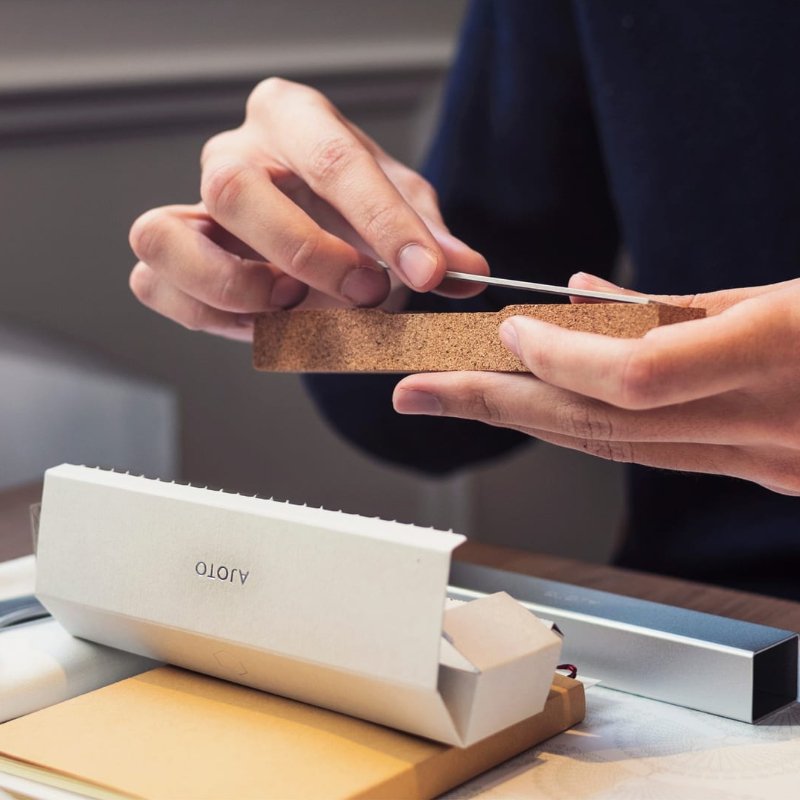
333 609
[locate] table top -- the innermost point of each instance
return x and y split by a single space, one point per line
15 540
628 746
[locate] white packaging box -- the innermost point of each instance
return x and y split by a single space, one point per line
341 611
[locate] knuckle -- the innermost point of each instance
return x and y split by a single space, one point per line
585 421
149 233
537 357
269 91
621 452
330 159
277 93
229 291
687 300
301 259
638 382
379 220
483 405
422 187
216 145
431 194
222 187
195 317
142 285
264 93
694 301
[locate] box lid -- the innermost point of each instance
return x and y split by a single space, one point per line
357 594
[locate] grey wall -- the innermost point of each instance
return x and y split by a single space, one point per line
103 110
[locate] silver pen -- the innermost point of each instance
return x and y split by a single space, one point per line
544 288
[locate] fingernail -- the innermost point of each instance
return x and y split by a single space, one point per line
246 320
417 263
508 336
410 401
364 286
287 292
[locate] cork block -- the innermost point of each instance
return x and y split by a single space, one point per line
368 340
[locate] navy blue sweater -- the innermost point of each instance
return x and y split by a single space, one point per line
669 127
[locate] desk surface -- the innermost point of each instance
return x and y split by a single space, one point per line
628 747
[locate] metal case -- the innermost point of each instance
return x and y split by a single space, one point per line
715 664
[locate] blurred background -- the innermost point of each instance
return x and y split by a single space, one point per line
104 107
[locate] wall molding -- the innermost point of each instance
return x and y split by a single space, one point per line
119 92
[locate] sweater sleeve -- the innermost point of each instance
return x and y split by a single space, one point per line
517 165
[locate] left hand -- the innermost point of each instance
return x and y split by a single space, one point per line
718 395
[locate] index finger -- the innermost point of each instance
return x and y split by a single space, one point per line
241 198
336 164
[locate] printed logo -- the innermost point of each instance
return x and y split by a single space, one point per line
232 575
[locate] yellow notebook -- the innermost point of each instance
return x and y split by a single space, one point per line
172 734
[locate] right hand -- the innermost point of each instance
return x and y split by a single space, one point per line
298 205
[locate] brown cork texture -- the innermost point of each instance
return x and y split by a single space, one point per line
368 340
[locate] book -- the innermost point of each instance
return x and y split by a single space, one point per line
171 733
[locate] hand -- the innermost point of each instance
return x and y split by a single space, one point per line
719 395
298 205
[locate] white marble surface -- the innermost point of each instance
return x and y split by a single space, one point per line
630 748
17 577
41 664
